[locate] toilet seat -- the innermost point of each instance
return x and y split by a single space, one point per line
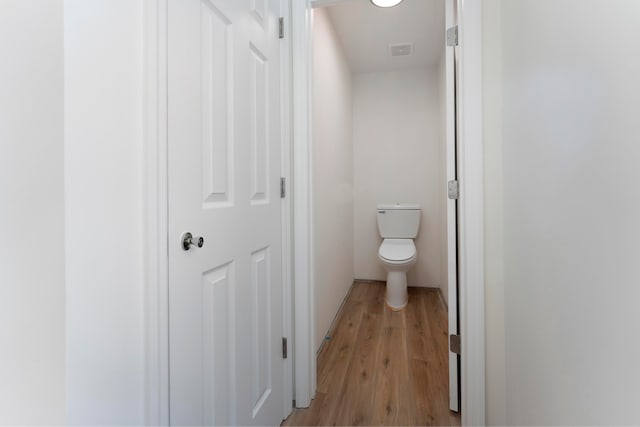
397 250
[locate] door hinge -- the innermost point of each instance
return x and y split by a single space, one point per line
454 344
284 348
281 28
283 188
453 189
452 36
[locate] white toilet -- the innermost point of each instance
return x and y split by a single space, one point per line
398 225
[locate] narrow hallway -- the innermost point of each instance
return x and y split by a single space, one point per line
382 367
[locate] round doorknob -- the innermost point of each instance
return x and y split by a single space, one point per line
189 240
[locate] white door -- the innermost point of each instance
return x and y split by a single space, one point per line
452 207
225 314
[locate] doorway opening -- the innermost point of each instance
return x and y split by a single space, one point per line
383 132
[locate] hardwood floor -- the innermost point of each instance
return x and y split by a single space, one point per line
382 367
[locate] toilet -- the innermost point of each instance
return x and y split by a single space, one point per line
398 225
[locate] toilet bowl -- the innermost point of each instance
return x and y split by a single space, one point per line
397 256
398 225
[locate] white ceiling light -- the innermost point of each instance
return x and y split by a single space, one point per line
385 3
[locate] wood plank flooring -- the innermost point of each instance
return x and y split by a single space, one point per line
382 367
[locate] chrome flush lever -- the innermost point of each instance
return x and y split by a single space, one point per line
188 240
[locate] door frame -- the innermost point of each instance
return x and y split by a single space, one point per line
471 206
156 207
452 206
471 214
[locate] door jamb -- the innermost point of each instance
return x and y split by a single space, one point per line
156 280
452 206
287 204
471 250
304 286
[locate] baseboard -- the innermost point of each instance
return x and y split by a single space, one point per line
376 282
438 291
443 300
426 288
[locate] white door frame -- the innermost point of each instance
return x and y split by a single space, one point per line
304 304
452 207
471 205
156 205
286 87
471 214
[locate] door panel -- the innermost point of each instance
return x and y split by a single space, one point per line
224 166
217 342
258 81
217 68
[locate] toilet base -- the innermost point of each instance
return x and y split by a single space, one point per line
397 294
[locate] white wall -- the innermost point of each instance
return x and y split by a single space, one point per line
398 158
103 183
32 309
332 172
569 146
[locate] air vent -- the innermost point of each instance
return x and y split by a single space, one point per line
403 49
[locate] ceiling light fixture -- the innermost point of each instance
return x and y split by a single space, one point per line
385 3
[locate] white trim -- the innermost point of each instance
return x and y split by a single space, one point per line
156 208
324 3
287 206
452 210
305 360
471 205
471 208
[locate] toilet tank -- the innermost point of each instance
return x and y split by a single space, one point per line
399 221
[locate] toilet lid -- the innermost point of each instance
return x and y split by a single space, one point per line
397 249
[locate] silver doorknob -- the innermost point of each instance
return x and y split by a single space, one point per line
188 240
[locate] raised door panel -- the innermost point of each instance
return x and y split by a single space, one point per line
259 11
261 328
217 68
218 345
258 116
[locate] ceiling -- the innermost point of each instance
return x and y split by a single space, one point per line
366 31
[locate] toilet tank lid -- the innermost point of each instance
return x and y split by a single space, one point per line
399 206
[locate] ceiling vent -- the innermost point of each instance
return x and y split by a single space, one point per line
403 49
